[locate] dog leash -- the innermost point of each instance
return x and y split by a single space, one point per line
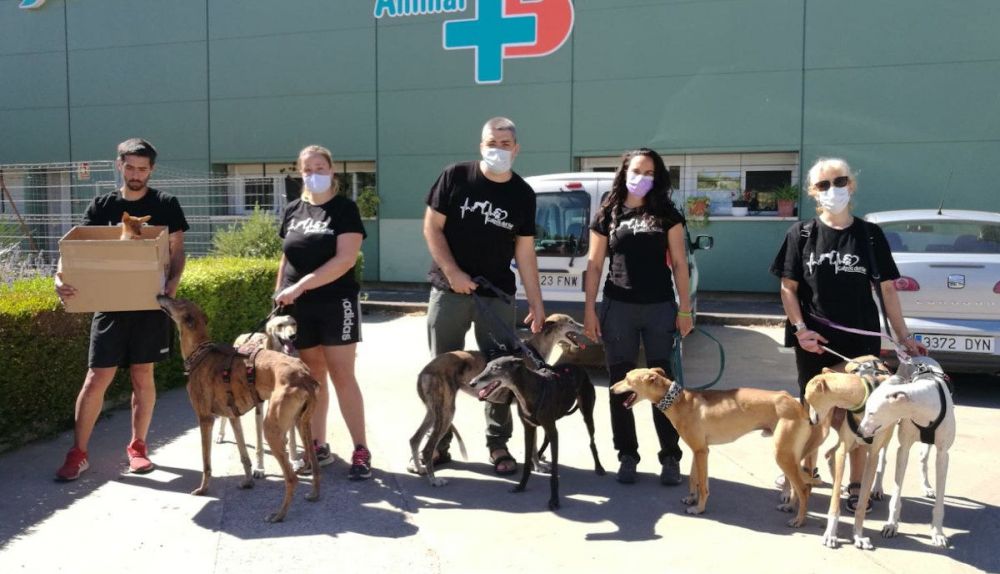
678 366
506 330
276 309
900 349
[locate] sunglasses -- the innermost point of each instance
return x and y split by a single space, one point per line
837 182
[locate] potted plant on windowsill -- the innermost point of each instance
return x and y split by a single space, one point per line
697 208
787 196
741 203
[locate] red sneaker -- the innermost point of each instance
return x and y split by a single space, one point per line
76 463
138 460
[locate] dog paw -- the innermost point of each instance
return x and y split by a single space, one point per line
544 467
276 517
246 484
517 488
877 495
554 504
689 500
436 481
599 471
786 507
830 539
312 496
889 529
784 497
796 523
695 510
258 473
863 542
220 440
939 539
199 491
929 493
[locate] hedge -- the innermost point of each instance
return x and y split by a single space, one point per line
44 349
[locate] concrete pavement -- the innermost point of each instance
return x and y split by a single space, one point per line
113 522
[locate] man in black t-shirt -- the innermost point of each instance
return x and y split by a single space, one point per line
133 339
480 215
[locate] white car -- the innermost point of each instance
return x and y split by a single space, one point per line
565 205
949 288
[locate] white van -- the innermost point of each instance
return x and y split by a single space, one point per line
565 204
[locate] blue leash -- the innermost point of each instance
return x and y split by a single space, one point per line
678 367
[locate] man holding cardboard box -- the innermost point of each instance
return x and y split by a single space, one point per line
131 338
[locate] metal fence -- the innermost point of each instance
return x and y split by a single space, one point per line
39 203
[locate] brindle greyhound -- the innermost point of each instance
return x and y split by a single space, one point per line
543 397
217 389
278 335
439 383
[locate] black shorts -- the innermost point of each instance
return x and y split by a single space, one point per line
328 323
124 338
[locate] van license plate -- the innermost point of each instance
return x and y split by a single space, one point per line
958 344
560 280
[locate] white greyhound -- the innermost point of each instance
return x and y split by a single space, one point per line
921 402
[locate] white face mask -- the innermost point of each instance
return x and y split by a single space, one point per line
317 182
498 160
834 200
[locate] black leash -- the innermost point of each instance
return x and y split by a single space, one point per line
504 328
274 311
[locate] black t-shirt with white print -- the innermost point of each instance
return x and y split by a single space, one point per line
310 239
162 209
483 219
833 272
637 246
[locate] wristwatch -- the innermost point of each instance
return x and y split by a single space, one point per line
800 326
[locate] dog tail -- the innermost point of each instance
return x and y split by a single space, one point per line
461 443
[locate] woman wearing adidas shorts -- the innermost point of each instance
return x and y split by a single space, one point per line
322 234
825 271
637 226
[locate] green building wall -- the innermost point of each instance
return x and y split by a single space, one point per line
907 90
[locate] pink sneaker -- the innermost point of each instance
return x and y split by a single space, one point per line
138 460
76 463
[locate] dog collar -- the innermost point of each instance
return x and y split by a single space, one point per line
868 392
196 356
668 399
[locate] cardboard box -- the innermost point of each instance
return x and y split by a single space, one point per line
112 274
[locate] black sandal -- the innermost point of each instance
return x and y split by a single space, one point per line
851 505
506 457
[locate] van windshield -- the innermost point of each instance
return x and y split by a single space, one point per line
562 220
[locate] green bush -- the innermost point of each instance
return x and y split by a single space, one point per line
368 202
45 348
255 237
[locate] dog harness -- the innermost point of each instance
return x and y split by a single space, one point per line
866 372
247 352
670 397
927 432
552 376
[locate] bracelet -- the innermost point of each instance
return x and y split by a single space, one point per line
685 314
907 338
800 326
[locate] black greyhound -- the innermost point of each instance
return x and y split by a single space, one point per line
543 397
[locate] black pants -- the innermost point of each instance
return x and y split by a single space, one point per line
623 327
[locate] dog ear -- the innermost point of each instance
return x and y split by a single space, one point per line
897 397
828 370
125 216
659 371
145 218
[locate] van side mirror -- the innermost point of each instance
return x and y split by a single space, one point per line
705 242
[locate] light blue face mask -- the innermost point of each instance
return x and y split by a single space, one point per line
498 160
317 182
834 200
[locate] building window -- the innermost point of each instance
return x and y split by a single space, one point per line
270 186
722 177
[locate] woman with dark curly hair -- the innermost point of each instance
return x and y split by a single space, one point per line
641 230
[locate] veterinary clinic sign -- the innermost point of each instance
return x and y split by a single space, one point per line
500 30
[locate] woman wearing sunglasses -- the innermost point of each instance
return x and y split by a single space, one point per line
826 270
